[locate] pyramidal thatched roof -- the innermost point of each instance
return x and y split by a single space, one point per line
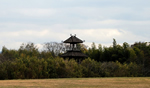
74 54
73 39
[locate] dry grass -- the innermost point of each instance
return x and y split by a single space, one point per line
78 83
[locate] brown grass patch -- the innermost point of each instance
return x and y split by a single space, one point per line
130 82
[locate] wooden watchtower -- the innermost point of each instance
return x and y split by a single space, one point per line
74 51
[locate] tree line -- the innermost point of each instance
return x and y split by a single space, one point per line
28 62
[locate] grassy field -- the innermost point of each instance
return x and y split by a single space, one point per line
132 82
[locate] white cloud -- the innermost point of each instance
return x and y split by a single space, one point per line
99 36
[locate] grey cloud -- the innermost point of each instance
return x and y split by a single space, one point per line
130 20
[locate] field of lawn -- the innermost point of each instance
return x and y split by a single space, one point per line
116 82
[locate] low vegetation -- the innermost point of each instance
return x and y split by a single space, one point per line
78 83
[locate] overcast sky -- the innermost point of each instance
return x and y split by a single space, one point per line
99 21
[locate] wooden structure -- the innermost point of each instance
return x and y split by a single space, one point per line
74 51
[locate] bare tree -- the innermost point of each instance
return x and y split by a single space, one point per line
55 48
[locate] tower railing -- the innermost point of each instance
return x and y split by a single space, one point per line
71 48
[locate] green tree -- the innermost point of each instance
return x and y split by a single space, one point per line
29 49
90 68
